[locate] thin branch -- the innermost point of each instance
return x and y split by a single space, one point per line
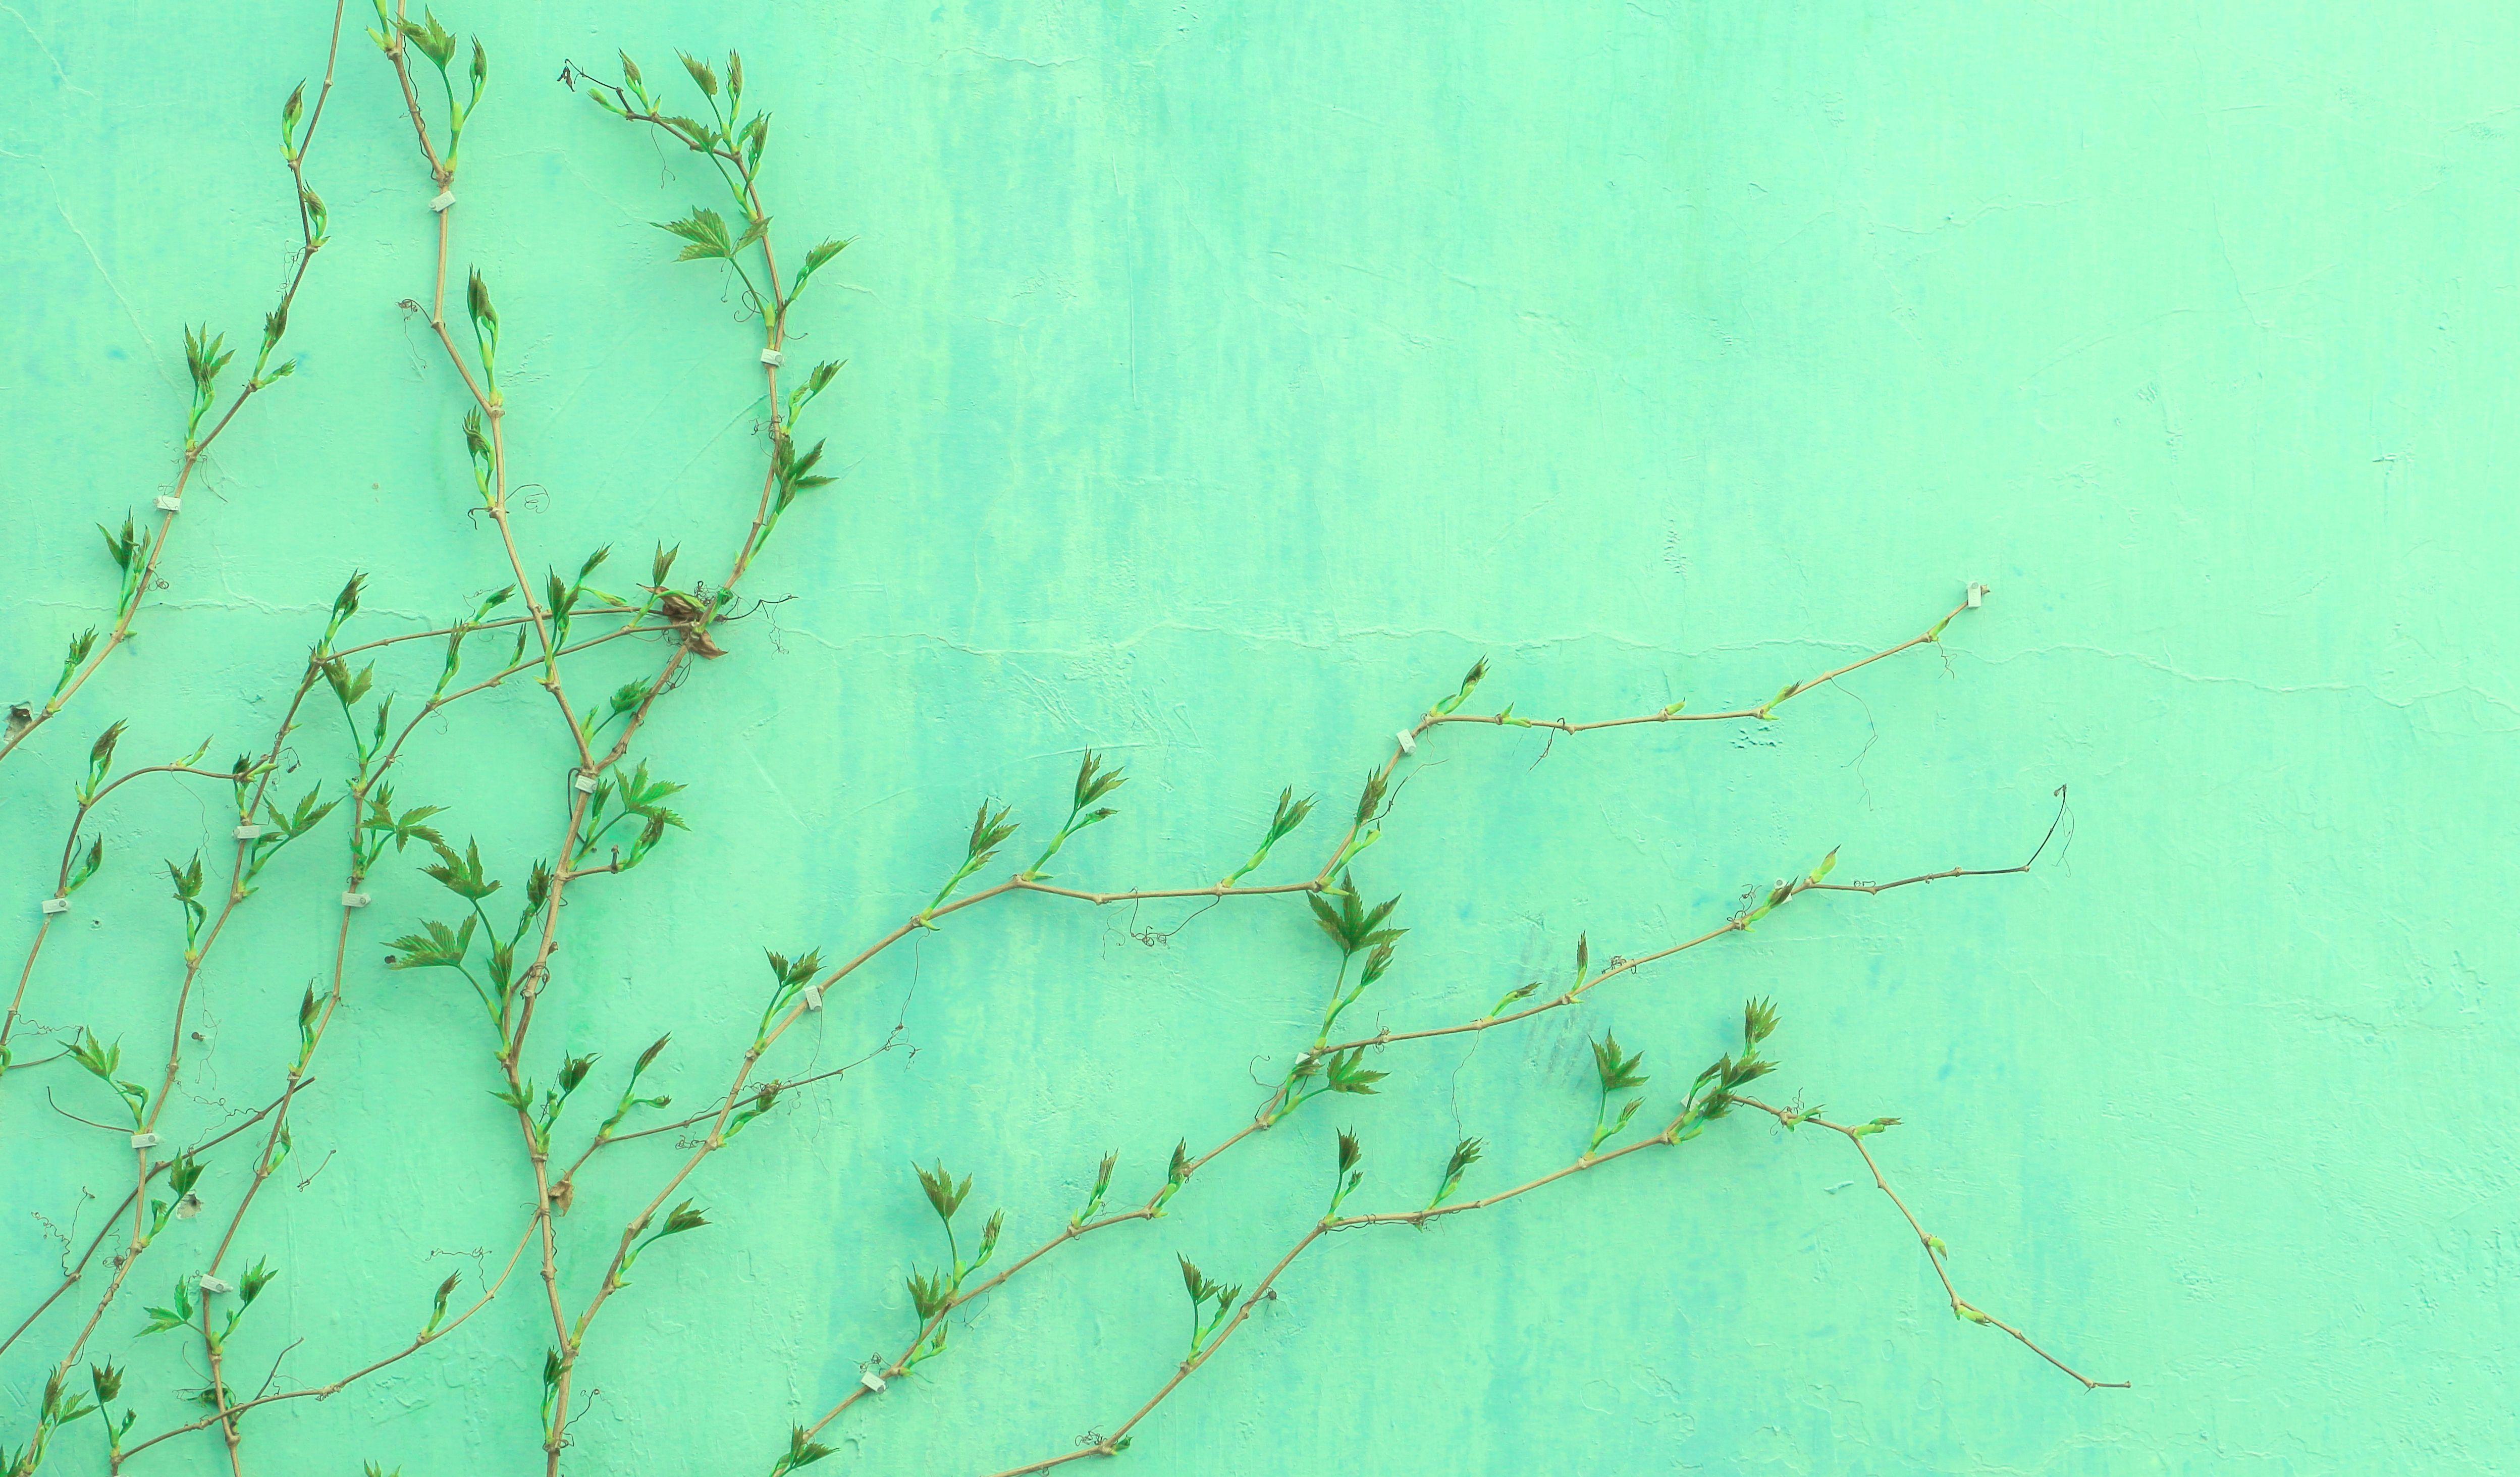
1113 1443
1933 1247
1738 923
79 1267
196 449
327 1391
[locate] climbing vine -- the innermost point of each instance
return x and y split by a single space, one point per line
182 1258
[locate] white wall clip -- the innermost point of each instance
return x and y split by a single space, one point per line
1976 596
1407 743
871 1380
813 997
57 905
445 198
214 1285
354 900
773 358
582 782
144 1140
248 833
170 503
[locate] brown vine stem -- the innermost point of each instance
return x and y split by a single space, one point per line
1112 1442
744 184
335 1387
1505 718
736 1090
1106 899
69 847
1737 924
1019 883
1074 1230
491 404
1679 1130
901 1362
562 1190
1764 711
193 962
148 1168
611 1140
235 890
198 958
554 1197
78 1268
196 450
61 887
225 1420
537 971
550 624
1265 1116
1934 1250
268 1161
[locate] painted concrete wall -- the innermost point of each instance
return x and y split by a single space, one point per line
1222 381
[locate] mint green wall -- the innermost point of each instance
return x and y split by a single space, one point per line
1222 379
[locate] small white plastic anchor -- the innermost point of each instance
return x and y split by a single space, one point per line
773 358
1976 596
445 198
871 1380
144 1141
813 997
211 1284
1408 743
583 782
57 905
169 503
248 833
354 900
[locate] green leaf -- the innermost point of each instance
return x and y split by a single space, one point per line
176 1314
802 1450
704 231
929 1293
440 947
1519 992
124 547
402 829
461 874
817 257
87 865
945 1196
203 356
1351 924
1347 1074
434 41
1093 782
1617 1070
1758 1023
